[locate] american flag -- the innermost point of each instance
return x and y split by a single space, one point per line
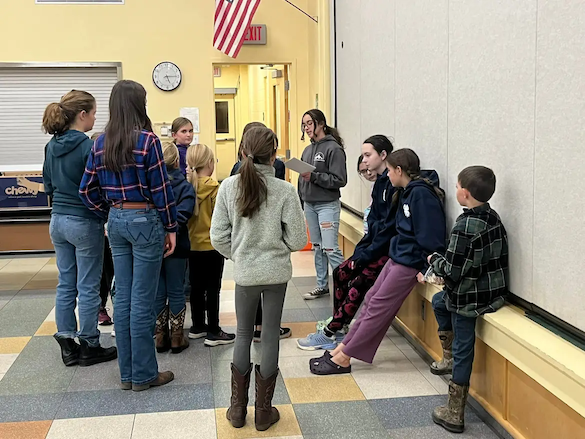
232 19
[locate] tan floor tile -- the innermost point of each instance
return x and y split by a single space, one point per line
47 328
228 319
300 329
119 427
13 345
6 361
229 285
175 425
285 428
323 389
40 285
25 430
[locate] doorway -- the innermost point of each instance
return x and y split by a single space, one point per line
249 93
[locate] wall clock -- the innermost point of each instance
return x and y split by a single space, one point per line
167 76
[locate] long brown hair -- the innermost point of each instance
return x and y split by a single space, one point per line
127 118
319 118
59 117
259 147
198 157
409 162
247 128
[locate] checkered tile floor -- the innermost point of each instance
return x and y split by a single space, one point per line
41 398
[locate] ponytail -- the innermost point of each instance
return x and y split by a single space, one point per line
59 117
260 145
409 162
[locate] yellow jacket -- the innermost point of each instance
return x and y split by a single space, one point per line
199 225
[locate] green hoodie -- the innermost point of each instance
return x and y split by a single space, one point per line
65 159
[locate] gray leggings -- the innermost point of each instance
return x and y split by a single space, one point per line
247 299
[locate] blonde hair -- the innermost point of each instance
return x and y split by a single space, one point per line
171 154
198 157
58 117
96 135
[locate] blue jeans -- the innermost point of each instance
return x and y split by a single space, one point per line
463 341
323 222
170 285
79 247
137 241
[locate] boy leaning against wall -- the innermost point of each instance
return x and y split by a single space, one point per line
475 271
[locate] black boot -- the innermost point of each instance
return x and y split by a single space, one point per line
89 356
69 350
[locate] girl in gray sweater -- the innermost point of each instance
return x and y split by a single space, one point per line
257 223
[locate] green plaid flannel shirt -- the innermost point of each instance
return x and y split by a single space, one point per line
475 267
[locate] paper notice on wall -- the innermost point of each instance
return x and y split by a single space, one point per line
191 113
195 139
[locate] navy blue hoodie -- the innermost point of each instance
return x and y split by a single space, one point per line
420 225
381 224
185 201
65 158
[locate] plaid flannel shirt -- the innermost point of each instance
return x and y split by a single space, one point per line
144 181
475 267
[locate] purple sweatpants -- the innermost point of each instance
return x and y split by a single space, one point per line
380 307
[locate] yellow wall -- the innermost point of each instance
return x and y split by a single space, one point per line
134 35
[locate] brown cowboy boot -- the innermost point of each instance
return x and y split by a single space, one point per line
238 410
161 333
451 417
178 340
266 415
445 365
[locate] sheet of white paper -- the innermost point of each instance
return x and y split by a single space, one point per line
195 139
191 113
299 166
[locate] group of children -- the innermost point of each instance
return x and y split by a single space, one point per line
167 216
405 237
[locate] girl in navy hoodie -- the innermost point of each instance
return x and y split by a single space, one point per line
172 276
354 277
421 231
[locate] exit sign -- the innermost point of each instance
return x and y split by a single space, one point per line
256 34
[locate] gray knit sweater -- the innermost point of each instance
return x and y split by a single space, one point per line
259 246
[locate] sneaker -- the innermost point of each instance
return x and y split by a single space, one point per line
103 317
113 333
284 333
315 341
316 293
218 339
321 324
196 333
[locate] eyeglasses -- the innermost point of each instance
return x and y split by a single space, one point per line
308 124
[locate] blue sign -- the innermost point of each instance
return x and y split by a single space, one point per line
21 193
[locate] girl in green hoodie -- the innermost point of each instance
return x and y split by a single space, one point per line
76 232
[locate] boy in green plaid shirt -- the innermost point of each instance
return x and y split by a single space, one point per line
475 271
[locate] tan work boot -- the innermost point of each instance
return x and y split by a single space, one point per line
178 340
451 417
238 410
161 332
445 365
266 415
